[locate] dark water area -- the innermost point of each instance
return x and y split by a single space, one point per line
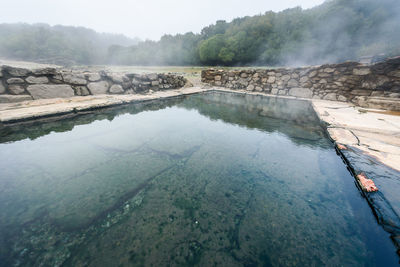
213 179
386 202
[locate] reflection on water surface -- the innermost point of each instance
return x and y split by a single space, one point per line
212 179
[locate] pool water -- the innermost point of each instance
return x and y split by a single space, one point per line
213 179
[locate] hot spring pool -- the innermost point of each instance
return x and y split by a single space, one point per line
213 179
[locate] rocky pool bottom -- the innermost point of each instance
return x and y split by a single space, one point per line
210 179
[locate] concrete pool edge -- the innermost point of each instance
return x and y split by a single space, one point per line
36 109
344 125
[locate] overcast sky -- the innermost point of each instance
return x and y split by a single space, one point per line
146 19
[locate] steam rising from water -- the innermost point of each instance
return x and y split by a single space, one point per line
348 35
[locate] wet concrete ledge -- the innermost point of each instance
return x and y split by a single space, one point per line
35 109
368 140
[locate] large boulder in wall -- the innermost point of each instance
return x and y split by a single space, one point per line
41 91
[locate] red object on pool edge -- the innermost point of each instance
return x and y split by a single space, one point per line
341 147
366 184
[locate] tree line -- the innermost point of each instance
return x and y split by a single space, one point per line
337 30
64 45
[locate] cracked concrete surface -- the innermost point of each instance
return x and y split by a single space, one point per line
374 132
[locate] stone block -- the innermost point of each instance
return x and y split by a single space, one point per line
340 84
361 71
316 97
117 78
250 87
323 75
378 93
57 78
303 79
98 88
16 72
378 102
81 90
330 96
395 95
45 71
16 89
271 79
300 92
361 92
37 80
285 78
282 92
329 70
312 74
2 88
243 82
14 98
15 81
293 83
395 73
323 81
74 79
46 91
152 76
116 89
93 77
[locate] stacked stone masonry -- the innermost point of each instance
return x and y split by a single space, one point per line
17 84
375 86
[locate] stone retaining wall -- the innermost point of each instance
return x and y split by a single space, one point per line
17 84
376 86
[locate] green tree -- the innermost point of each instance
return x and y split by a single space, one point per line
210 49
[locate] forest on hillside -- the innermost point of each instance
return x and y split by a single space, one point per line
337 30
63 45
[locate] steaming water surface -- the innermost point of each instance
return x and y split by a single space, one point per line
214 179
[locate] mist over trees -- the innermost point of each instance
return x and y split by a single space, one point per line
64 45
335 31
